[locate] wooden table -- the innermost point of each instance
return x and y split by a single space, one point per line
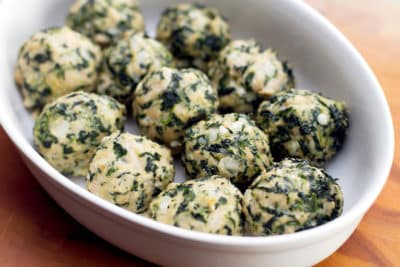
34 231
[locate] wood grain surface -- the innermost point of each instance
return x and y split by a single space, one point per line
34 231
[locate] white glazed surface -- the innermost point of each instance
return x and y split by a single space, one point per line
323 60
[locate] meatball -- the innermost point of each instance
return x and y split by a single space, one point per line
226 74
303 124
55 62
129 170
193 32
128 62
290 197
229 145
104 21
69 129
168 101
211 205
267 75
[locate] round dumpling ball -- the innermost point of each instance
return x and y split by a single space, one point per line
267 75
303 124
55 62
290 197
228 145
128 62
226 74
68 130
193 32
129 170
168 100
211 205
105 21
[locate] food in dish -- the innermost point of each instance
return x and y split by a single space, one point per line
267 75
80 133
210 204
244 75
129 170
54 62
226 74
193 32
290 197
168 100
105 21
68 130
303 124
229 145
126 63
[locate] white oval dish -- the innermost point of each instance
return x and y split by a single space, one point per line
323 60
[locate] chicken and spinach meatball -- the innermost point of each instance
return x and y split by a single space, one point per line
68 130
169 100
228 145
290 197
193 32
267 75
304 124
129 170
128 62
55 62
226 74
211 205
105 21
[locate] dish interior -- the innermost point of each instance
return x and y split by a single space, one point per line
316 62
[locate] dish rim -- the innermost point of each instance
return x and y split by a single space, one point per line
280 241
